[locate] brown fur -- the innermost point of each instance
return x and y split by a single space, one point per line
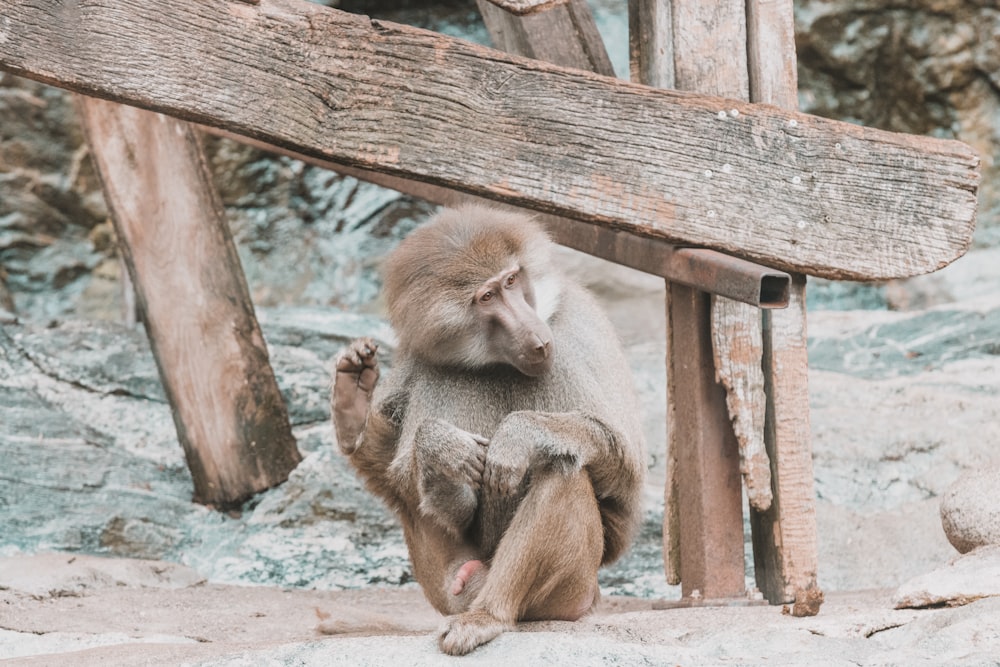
556 491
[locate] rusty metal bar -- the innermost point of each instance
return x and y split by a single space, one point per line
708 270
704 454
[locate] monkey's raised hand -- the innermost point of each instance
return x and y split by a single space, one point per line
356 374
449 464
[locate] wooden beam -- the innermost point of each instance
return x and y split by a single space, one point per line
230 416
796 192
708 270
703 502
784 536
562 34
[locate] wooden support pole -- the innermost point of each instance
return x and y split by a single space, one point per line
703 519
842 201
562 34
784 536
230 417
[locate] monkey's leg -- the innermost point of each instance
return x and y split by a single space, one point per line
545 567
449 469
355 376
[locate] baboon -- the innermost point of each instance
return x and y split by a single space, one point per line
507 437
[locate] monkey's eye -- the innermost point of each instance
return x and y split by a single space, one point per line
486 297
511 279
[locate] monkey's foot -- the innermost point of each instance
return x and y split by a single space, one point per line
355 376
468 569
465 632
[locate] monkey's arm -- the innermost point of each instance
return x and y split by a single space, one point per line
447 465
368 434
531 442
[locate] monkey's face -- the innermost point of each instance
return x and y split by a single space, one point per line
514 333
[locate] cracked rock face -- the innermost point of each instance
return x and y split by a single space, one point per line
91 464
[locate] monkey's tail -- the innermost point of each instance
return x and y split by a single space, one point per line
370 623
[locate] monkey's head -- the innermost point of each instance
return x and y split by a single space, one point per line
474 287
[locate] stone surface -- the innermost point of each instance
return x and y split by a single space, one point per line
118 621
966 578
970 510
91 462
60 575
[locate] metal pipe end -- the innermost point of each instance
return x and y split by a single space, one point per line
774 288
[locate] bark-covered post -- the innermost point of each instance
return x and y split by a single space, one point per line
230 417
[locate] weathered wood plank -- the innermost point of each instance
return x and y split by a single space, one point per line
784 537
230 416
701 38
796 192
562 34
650 29
708 270
710 48
527 7
710 56
738 345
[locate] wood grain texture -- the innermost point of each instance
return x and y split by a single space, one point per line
230 416
792 191
710 47
738 346
784 537
564 34
710 56
526 7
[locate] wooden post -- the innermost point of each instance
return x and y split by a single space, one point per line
784 536
703 517
196 306
561 34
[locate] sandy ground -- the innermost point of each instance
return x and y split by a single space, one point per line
60 609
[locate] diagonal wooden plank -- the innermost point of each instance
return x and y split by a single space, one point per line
795 191
213 362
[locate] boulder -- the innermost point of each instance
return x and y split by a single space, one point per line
970 510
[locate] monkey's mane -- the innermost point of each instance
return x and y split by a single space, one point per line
430 280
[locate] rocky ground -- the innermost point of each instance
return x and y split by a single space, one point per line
902 404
